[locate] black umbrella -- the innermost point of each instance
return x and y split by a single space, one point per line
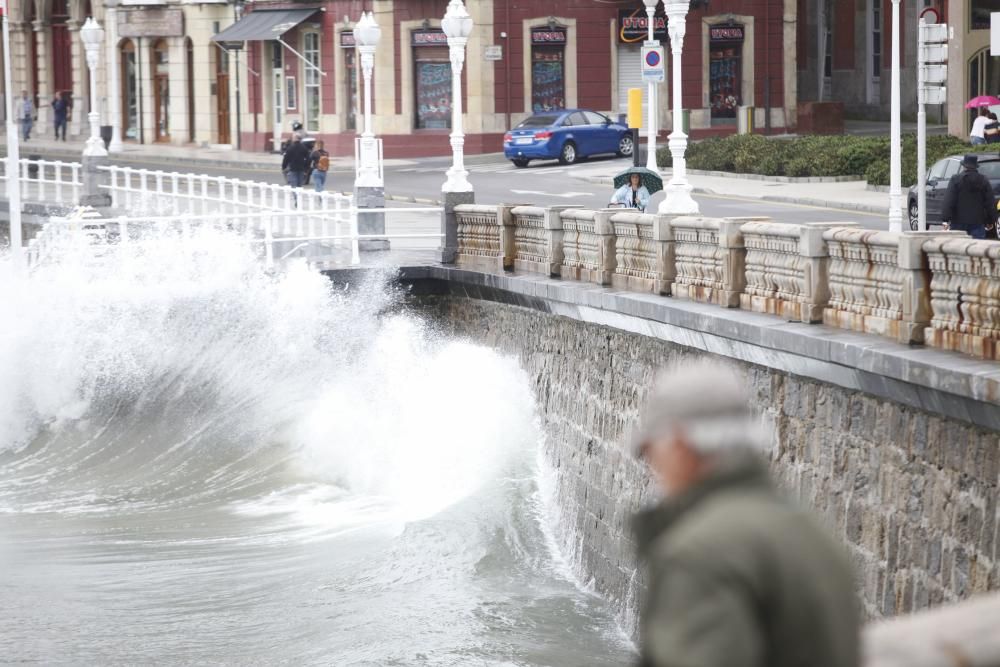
650 178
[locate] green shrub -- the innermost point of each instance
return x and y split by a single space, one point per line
866 157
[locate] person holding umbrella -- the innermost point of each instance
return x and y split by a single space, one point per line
977 135
634 187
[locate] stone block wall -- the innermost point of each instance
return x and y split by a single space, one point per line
912 494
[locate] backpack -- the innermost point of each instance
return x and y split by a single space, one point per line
323 163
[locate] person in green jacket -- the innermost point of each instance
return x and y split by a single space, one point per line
737 576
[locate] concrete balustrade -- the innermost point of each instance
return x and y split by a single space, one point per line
588 245
644 252
480 236
965 295
787 269
941 287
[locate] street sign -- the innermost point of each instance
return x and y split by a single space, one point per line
934 73
935 95
934 53
653 64
493 52
934 33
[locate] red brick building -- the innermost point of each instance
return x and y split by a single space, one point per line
523 55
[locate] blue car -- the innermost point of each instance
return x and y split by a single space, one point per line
567 135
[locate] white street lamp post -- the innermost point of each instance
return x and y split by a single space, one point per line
369 172
895 170
678 200
92 35
457 26
13 150
651 96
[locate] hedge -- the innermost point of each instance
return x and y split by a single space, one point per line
866 157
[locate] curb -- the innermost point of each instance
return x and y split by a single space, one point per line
414 200
165 160
777 179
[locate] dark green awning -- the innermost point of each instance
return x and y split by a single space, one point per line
264 24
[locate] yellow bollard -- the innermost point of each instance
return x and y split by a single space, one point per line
635 108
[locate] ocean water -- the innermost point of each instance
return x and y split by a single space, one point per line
203 463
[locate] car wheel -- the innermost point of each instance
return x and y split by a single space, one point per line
625 145
520 163
568 153
914 215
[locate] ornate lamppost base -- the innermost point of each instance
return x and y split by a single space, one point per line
678 201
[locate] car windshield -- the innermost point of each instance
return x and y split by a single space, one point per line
990 170
541 120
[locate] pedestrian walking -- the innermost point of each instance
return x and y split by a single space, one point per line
969 204
295 162
319 161
977 136
60 113
737 575
26 109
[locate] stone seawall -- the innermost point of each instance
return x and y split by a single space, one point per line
910 491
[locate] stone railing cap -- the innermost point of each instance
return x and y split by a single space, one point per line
528 210
772 229
695 222
634 218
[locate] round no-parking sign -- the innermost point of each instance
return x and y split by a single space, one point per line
652 63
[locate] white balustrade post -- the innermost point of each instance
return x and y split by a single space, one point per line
895 153
678 199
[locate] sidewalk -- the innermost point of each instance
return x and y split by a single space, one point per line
842 195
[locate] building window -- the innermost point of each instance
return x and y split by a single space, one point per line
828 55
432 75
130 92
548 69
725 76
312 100
350 79
290 95
980 10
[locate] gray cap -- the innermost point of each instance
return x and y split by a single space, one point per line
707 399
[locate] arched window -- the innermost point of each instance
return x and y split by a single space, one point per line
160 65
130 90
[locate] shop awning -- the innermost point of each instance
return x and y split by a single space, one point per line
263 25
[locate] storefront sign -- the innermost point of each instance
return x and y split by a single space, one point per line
726 33
429 38
548 36
151 22
633 26
347 40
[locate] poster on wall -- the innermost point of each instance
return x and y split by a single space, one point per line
433 95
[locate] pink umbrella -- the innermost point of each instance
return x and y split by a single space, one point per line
982 101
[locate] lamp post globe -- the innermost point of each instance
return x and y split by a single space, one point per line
457 26
367 31
92 35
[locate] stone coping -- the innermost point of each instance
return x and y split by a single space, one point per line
936 381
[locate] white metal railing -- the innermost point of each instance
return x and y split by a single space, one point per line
301 230
46 181
200 194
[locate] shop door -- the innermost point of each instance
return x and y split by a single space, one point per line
222 90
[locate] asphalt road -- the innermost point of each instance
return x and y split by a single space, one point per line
497 181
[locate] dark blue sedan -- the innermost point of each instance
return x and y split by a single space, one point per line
567 136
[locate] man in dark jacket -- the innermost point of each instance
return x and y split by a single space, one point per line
969 205
295 163
737 576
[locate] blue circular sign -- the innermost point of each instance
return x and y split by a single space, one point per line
653 58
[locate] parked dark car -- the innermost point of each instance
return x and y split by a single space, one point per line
938 177
567 135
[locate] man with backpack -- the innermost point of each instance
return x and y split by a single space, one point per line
319 161
969 205
295 163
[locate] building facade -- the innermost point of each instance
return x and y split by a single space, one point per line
522 57
239 74
972 71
